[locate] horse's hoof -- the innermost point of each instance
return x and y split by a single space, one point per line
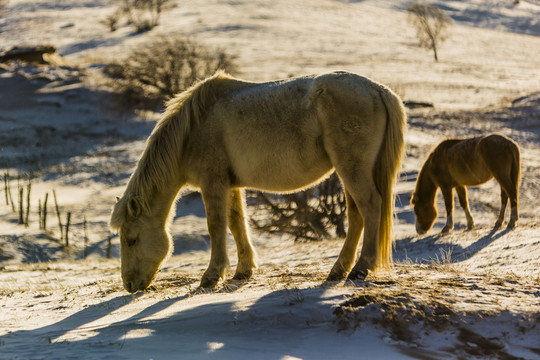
445 231
357 275
510 226
335 276
209 283
245 275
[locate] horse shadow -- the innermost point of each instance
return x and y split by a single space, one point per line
209 330
429 248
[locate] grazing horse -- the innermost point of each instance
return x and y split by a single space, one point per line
456 163
224 134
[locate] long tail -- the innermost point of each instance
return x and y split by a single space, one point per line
515 171
386 170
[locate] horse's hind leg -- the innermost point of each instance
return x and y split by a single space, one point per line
502 212
509 191
237 225
215 199
513 197
347 256
514 216
364 193
464 202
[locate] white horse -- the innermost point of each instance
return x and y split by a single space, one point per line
224 134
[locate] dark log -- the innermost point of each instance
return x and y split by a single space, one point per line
31 54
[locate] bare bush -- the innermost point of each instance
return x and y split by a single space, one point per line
153 73
309 215
144 14
430 23
112 21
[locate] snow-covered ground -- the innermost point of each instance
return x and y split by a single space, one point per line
468 294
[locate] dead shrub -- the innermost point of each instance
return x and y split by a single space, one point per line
143 14
153 73
430 24
112 20
313 214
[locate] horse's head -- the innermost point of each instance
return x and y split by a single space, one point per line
144 242
425 213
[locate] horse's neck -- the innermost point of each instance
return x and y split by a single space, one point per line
426 187
161 201
157 198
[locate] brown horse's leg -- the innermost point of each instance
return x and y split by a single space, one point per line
449 204
237 225
464 202
505 169
347 256
508 191
215 199
504 202
514 216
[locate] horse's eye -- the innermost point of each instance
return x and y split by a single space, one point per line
131 241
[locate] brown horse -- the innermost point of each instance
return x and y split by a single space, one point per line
456 163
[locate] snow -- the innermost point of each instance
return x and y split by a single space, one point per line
467 294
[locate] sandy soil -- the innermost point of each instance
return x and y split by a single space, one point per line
468 294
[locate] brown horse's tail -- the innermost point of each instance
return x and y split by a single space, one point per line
515 170
386 170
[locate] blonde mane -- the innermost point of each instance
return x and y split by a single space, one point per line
163 150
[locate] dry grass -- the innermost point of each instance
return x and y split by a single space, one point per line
420 299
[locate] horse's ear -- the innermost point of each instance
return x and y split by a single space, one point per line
117 198
413 199
134 207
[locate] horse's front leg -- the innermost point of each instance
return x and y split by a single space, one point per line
463 201
215 199
449 204
237 225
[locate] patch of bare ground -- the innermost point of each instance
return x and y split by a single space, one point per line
419 303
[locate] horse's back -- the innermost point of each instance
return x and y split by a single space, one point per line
282 135
476 160
271 140
458 162
502 156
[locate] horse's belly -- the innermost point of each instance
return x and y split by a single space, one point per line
276 153
279 175
472 175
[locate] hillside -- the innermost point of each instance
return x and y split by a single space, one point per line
468 294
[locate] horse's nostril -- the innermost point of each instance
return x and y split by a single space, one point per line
130 286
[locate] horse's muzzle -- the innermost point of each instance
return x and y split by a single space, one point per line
419 230
135 283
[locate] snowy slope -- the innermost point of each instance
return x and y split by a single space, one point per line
468 294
